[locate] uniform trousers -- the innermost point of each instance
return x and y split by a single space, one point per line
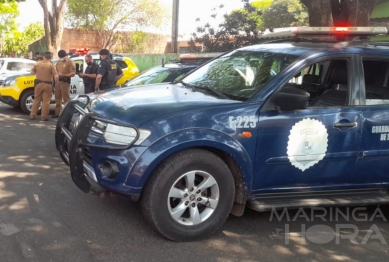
42 93
62 92
89 88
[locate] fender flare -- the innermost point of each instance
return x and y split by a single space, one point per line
175 142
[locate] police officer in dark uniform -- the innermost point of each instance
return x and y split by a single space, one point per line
90 74
107 73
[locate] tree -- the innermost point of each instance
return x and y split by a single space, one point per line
18 41
53 23
285 13
110 16
240 27
339 12
8 13
244 26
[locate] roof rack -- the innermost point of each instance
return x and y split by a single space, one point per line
375 44
320 34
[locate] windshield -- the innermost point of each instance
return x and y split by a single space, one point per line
19 66
240 74
155 75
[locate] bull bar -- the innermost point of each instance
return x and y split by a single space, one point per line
71 145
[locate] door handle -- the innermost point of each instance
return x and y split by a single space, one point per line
347 124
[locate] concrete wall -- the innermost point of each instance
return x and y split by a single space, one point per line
80 38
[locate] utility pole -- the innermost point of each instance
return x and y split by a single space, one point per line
175 26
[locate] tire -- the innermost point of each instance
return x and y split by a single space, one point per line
26 101
213 204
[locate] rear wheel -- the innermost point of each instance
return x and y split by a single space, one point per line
190 195
26 101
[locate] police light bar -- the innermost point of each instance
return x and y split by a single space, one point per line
339 30
200 55
187 56
84 50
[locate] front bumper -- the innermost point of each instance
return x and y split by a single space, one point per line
9 100
86 158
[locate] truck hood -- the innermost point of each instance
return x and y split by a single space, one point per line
137 105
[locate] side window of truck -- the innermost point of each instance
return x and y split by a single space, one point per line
376 74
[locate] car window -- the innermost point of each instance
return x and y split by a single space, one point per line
80 64
376 74
326 90
121 63
19 66
1 63
326 82
240 74
153 75
315 69
181 75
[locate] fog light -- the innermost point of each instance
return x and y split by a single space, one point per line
110 169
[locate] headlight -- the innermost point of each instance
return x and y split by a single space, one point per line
122 135
9 82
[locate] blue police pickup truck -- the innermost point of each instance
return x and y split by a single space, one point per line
295 122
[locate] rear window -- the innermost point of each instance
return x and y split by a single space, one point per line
121 63
153 76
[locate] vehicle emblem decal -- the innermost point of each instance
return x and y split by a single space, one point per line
307 145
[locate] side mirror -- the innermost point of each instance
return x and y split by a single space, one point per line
77 68
292 98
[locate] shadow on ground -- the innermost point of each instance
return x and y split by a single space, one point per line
45 217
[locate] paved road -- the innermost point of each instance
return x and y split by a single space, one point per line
45 217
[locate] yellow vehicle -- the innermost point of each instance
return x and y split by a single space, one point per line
18 90
129 68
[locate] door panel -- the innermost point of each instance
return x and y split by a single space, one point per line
304 149
373 162
314 148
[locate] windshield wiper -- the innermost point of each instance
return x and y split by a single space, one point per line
181 82
212 90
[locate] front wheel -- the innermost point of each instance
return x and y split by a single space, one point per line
26 101
189 196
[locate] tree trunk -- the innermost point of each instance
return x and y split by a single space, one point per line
359 11
53 24
320 12
339 12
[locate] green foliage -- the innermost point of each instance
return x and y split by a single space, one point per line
110 16
18 41
88 14
8 13
137 42
34 31
244 26
262 4
114 14
240 27
285 13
